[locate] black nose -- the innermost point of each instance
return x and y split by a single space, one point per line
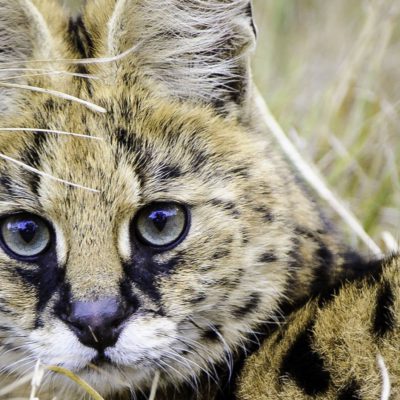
97 324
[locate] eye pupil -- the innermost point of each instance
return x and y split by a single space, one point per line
161 224
159 219
24 236
26 229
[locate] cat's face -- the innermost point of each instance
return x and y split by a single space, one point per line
163 239
165 254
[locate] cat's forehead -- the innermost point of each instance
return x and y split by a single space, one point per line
135 153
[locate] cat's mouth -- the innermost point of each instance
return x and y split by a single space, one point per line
101 360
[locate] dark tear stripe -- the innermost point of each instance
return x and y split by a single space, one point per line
384 319
128 296
350 392
144 272
47 279
305 365
250 305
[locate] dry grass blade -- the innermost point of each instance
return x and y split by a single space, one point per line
154 386
12 387
312 177
79 381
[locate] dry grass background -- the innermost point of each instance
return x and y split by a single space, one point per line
330 72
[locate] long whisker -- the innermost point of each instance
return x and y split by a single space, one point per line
37 171
41 71
100 60
34 130
88 104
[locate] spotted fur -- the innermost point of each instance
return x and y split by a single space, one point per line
157 100
344 344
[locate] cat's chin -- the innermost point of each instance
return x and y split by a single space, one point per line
103 376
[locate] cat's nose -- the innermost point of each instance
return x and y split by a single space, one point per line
97 324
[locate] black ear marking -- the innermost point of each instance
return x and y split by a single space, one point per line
250 14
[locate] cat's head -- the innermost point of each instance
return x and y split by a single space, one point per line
144 225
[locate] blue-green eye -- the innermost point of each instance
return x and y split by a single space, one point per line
25 235
162 224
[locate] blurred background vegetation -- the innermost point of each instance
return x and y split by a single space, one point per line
330 72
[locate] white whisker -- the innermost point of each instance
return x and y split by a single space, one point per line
37 171
41 72
34 130
77 61
88 104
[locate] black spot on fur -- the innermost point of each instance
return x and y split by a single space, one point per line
4 310
265 212
125 139
198 160
82 41
198 298
6 183
240 172
212 333
384 319
350 392
267 257
221 253
80 37
31 155
227 206
169 171
322 274
250 305
305 365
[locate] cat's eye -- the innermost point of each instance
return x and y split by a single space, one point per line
25 236
162 225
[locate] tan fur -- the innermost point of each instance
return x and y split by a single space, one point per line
178 126
343 334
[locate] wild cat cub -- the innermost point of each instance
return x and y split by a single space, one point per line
148 224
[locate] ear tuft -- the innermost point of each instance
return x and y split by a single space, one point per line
197 49
24 36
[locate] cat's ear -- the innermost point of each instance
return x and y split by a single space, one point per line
24 36
197 49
